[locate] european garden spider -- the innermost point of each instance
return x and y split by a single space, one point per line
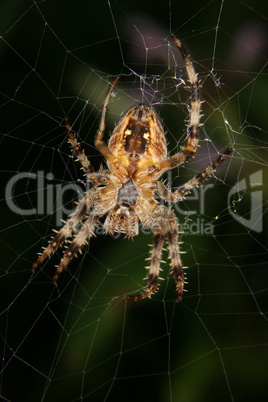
136 157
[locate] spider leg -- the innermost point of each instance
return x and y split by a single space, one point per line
174 254
156 252
96 179
100 144
66 231
87 230
78 151
194 115
178 194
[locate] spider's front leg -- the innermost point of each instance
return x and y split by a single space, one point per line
82 237
154 268
66 231
174 254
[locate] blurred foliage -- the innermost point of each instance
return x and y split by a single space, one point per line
83 339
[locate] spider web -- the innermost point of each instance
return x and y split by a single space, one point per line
81 339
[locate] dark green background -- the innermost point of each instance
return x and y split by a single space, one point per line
82 339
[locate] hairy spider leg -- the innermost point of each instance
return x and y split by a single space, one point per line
85 232
174 254
178 194
96 178
99 143
155 258
194 115
78 151
66 231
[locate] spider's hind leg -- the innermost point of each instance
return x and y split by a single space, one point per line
195 103
194 115
78 151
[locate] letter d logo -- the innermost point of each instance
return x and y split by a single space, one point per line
254 222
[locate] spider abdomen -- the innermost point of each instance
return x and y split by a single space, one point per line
128 194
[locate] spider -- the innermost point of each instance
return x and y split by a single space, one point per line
136 157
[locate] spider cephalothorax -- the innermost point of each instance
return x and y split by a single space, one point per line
125 193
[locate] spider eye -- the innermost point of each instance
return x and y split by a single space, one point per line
134 156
